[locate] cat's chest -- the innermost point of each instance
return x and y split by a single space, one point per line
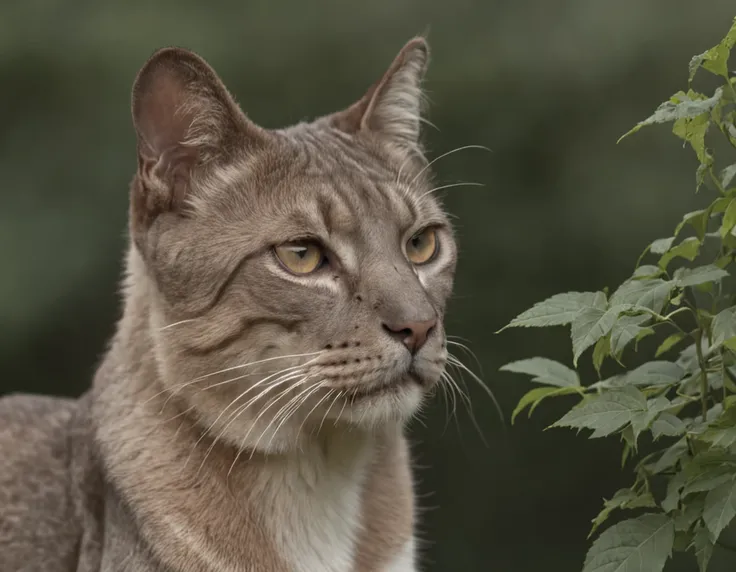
316 524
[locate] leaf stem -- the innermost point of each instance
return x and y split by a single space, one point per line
703 373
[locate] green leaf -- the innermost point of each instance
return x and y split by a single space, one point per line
650 293
601 350
535 396
720 507
558 310
681 106
545 371
670 457
668 425
623 499
649 270
640 544
625 330
590 325
669 343
606 412
729 219
690 512
641 421
688 249
724 328
661 245
698 220
693 130
715 60
727 175
704 478
703 545
722 432
700 275
650 374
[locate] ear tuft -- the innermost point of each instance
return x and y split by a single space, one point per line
178 100
392 107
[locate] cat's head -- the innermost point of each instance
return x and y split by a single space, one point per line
295 278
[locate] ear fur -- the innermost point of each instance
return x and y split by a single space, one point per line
392 107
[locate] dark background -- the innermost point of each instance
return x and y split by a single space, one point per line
549 86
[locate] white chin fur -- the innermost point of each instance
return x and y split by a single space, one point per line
399 405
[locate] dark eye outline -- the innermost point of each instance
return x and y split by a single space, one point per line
435 231
301 242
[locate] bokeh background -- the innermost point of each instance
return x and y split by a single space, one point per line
548 86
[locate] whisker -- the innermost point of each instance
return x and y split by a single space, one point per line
428 165
463 368
451 185
176 324
231 368
292 406
339 393
308 415
237 412
255 422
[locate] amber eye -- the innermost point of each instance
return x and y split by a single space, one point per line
300 257
422 247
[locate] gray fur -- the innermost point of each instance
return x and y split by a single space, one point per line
161 465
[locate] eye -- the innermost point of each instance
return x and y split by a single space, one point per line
300 257
422 247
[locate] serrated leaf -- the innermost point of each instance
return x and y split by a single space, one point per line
693 130
722 432
704 478
661 245
703 546
606 412
670 457
601 350
727 175
649 293
590 325
623 499
724 328
729 219
636 545
669 343
641 421
720 507
535 396
649 270
625 330
668 425
650 374
715 60
690 513
558 310
688 249
544 371
697 219
700 275
680 106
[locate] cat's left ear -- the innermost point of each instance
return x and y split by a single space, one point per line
392 107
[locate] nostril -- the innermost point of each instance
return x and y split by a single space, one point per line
397 332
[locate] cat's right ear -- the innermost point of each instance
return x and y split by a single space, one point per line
185 120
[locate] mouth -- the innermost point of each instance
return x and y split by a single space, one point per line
392 386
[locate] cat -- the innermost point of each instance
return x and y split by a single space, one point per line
282 321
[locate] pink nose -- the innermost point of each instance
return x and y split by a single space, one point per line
412 334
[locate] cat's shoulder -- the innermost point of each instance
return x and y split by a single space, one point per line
40 526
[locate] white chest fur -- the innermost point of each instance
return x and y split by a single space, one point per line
315 513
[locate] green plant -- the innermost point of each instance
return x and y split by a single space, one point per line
677 416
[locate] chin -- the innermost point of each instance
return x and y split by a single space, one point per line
395 402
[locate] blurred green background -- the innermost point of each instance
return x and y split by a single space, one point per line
548 86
